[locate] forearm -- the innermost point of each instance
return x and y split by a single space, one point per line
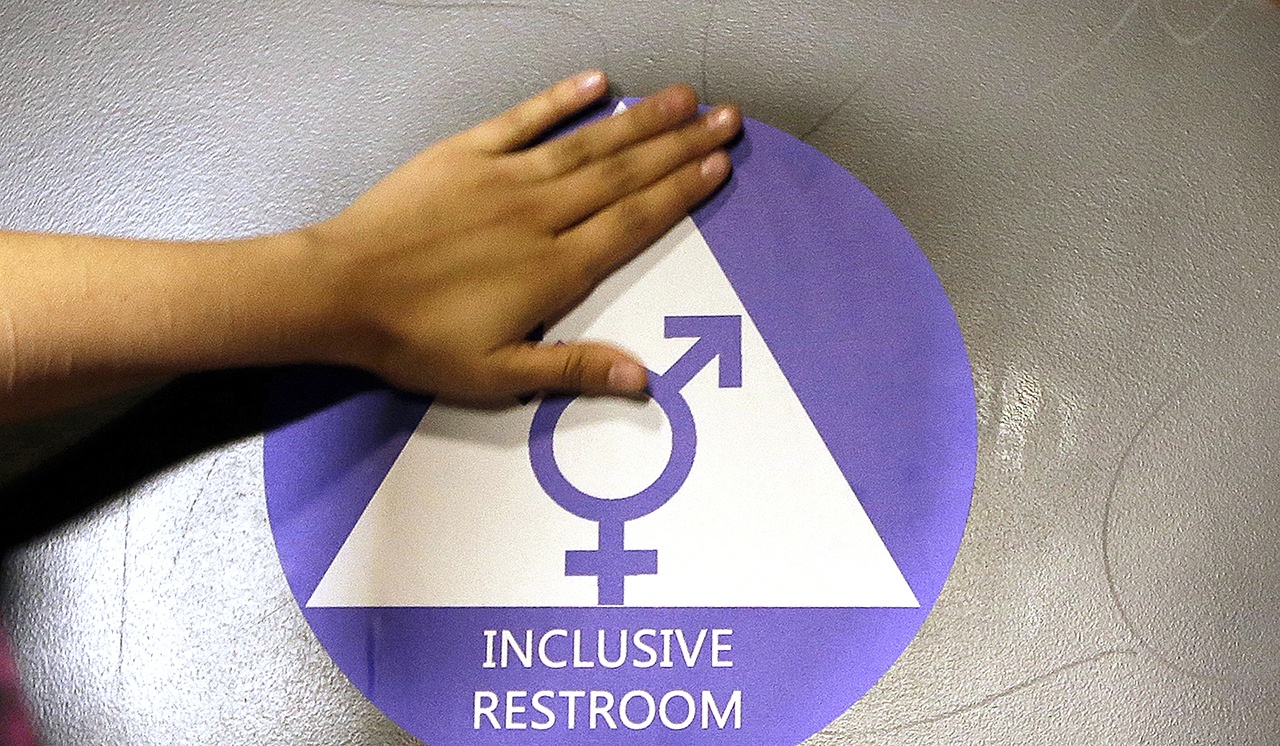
83 317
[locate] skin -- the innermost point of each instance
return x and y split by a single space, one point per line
432 279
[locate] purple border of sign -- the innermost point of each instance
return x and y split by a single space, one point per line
862 329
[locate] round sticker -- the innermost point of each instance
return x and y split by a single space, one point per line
735 561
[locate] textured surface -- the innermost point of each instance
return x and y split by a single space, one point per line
1095 182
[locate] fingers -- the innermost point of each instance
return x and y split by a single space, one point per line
614 235
522 123
666 110
588 190
585 367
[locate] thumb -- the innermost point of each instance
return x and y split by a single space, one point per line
579 367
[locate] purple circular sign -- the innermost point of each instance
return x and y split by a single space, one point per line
807 514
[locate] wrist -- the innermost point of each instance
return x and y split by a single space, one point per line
303 299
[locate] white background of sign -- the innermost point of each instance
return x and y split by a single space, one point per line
764 519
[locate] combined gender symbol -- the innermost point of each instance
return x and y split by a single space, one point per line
612 562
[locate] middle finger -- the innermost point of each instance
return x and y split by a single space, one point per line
662 112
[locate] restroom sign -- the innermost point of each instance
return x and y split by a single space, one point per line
734 561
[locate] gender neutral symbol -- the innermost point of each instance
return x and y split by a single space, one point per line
612 562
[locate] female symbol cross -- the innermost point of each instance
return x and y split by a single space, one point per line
612 562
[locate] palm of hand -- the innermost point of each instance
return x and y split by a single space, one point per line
456 256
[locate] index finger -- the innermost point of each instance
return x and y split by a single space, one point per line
519 125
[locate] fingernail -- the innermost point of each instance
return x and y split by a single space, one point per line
720 118
627 378
715 166
590 82
678 101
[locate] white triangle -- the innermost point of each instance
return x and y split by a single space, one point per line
765 518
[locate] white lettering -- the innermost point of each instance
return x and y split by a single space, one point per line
676 710
625 716
734 706
577 652
490 700
666 649
537 705
718 647
622 650
573 697
515 709
489 634
602 709
516 648
690 714
690 659
653 654
542 648
511 644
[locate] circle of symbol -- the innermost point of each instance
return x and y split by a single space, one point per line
683 446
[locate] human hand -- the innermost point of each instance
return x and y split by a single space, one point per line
451 260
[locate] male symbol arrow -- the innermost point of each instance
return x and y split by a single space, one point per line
718 336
